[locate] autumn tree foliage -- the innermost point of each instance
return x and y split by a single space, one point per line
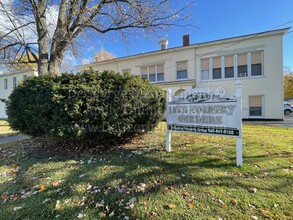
48 28
103 55
288 86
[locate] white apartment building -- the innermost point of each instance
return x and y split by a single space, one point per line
255 59
8 81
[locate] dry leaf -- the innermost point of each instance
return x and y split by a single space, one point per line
56 183
252 190
102 215
190 205
185 195
171 206
80 216
42 188
234 202
57 206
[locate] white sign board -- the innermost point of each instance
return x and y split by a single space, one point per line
206 111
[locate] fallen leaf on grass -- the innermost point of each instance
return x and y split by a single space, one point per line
252 190
56 183
171 206
185 195
234 202
16 208
80 216
266 213
57 206
102 215
190 205
42 188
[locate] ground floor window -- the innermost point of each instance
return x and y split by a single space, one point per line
256 106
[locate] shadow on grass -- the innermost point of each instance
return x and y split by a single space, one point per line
114 176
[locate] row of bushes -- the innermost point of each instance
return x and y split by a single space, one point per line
104 107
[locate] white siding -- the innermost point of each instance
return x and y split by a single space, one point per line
4 93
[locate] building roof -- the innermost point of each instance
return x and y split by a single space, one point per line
208 43
18 71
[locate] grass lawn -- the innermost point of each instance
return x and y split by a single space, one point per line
5 129
198 180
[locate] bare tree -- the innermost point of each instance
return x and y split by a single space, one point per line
75 16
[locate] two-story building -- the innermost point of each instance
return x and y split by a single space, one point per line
8 81
255 59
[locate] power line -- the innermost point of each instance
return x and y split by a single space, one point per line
237 42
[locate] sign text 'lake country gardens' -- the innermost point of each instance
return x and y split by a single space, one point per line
208 111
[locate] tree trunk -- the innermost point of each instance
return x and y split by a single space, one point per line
43 55
55 63
40 16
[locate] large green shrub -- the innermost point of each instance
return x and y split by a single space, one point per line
104 107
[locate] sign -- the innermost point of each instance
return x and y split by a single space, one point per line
206 111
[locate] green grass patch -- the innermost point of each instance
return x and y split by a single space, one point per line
197 180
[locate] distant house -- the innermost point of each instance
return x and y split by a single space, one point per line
8 81
255 59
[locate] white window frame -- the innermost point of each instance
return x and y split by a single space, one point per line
186 70
235 59
156 72
262 107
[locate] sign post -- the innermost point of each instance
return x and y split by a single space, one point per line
239 157
168 134
206 111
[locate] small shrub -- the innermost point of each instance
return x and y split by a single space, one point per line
88 106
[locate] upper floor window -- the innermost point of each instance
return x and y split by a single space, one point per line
205 73
24 77
181 70
14 82
144 72
217 68
231 66
256 63
155 73
5 83
242 65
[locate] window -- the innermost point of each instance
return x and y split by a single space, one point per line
255 106
256 63
144 72
24 77
181 70
126 71
160 72
242 65
14 82
217 72
152 73
205 72
155 73
5 83
229 66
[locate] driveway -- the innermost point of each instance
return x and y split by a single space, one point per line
13 138
288 122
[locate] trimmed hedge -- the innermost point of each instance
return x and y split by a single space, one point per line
100 106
